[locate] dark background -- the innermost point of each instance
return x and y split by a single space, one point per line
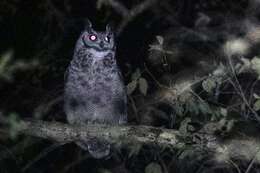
40 36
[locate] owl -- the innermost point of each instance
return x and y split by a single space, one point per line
94 88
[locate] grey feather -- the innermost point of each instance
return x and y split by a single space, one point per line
94 89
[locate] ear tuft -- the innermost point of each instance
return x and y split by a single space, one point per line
109 28
88 25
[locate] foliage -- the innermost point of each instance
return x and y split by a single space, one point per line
8 68
153 168
137 80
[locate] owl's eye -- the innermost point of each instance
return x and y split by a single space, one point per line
107 39
92 37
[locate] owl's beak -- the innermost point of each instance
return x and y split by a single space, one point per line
101 44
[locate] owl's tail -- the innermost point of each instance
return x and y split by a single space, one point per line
97 148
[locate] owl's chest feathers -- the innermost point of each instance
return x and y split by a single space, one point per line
93 74
96 78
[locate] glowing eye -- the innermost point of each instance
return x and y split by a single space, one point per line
92 37
107 39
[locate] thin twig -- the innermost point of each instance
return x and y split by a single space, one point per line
252 162
238 87
234 164
41 155
155 80
74 163
127 15
117 6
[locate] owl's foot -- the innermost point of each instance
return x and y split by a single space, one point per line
97 149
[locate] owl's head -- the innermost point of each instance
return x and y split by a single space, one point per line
98 40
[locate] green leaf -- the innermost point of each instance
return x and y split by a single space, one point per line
204 108
143 86
255 62
13 121
136 75
5 60
4 65
257 105
153 168
223 111
131 87
208 85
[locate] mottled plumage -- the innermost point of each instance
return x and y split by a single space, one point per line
94 89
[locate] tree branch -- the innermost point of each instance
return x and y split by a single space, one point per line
236 147
124 135
127 15
117 6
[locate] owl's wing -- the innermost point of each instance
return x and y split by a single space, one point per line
120 75
124 116
123 95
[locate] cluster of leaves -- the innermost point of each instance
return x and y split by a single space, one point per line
137 81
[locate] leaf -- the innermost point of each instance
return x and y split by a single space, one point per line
153 168
220 70
255 62
246 62
223 111
192 107
100 3
156 47
204 108
208 85
131 87
183 127
136 75
257 105
13 121
185 97
5 60
143 86
160 39
256 96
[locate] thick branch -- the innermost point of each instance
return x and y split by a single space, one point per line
114 134
236 147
